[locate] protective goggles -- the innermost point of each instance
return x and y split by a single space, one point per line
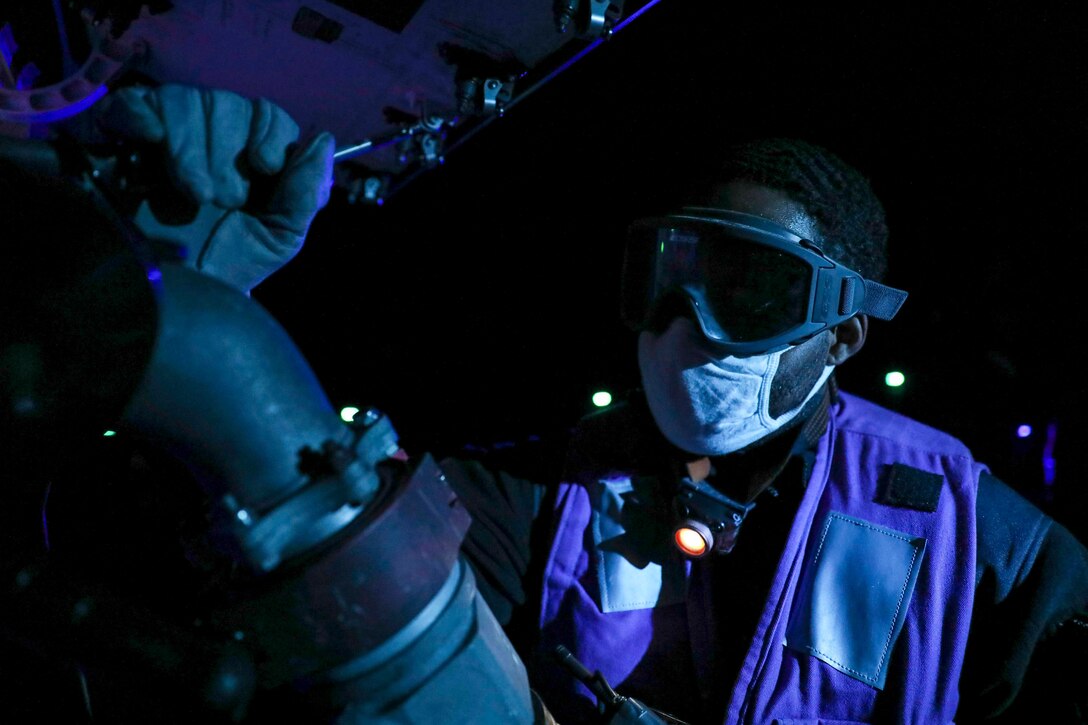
753 285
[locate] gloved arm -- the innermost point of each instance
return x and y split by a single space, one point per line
238 161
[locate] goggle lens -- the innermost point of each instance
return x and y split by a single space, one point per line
753 292
742 291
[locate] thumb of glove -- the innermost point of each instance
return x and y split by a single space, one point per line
302 189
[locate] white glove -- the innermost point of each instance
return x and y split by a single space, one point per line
217 143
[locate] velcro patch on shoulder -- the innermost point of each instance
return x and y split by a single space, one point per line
909 487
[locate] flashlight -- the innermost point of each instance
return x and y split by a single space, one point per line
693 538
706 519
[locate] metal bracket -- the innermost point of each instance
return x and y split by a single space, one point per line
496 94
422 148
342 481
484 85
592 19
484 96
368 190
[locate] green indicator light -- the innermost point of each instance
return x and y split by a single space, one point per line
109 433
602 398
894 379
347 414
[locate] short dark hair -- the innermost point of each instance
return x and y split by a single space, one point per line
839 197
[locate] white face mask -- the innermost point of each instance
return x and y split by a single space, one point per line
709 405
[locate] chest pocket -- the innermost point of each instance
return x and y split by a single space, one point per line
853 599
637 568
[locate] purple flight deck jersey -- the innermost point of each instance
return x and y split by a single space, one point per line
867 614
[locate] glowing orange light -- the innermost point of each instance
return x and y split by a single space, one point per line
690 541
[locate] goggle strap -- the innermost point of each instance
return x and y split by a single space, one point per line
882 301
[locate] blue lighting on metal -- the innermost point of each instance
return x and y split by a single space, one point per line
581 54
1049 462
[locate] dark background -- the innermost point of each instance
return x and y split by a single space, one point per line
479 304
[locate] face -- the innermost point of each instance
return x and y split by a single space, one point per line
802 365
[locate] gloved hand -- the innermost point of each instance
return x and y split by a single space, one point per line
233 157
